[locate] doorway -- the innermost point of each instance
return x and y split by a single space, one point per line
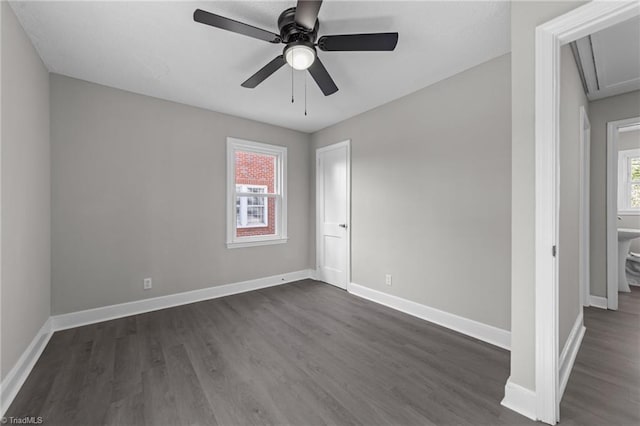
333 213
574 25
615 260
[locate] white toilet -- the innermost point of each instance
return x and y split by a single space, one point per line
632 268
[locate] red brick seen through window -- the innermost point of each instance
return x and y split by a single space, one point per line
257 169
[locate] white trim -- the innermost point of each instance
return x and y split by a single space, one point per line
611 218
631 128
487 333
613 128
578 23
319 207
569 353
547 65
3 403
257 243
598 302
106 313
313 274
280 193
519 399
16 377
584 219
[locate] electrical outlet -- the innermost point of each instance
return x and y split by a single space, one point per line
146 284
387 279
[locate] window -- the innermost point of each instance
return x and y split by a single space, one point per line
629 181
256 199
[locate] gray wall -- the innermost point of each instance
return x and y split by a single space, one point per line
138 189
630 140
525 16
600 112
25 192
431 194
572 97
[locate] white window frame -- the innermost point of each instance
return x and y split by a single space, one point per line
624 182
279 195
265 206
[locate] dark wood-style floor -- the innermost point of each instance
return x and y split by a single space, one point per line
298 354
604 387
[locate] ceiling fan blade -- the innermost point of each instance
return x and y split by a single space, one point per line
322 77
307 13
359 42
221 22
264 72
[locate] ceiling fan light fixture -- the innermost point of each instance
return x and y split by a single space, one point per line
300 56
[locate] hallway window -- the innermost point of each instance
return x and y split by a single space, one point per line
629 181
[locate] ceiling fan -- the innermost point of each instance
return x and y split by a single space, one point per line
298 31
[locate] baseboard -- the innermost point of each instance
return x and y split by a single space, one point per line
569 353
18 374
487 333
520 399
598 302
106 313
313 274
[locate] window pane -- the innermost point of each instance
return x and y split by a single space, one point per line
635 169
635 196
255 216
255 172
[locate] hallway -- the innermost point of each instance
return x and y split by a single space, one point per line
604 387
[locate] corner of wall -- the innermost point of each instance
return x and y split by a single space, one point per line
25 175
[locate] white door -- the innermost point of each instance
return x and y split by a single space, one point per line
332 214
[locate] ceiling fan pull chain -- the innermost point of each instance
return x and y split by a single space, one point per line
291 84
305 94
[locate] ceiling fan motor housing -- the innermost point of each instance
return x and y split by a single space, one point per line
291 32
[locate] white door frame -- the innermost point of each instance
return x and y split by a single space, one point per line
613 128
585 219
549 37
346 143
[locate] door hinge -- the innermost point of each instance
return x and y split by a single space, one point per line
554 251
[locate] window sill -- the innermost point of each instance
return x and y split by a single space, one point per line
243 244
628 212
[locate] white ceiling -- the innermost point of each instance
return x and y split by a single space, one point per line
156 49
610 60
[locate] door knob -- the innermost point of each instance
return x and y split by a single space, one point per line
343 225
